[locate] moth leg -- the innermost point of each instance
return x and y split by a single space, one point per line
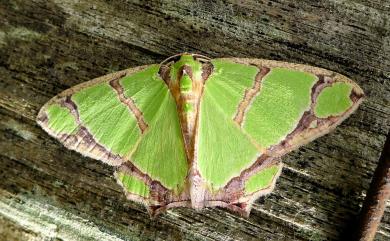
155 210
243 209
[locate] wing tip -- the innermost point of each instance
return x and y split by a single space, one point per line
356 89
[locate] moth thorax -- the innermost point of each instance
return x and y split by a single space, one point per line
188 94
188 102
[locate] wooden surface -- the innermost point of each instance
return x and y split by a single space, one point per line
50 193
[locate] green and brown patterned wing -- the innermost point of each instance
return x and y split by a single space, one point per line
255 111
127 119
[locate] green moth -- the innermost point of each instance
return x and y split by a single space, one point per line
199 132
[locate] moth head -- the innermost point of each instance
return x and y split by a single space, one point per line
183 69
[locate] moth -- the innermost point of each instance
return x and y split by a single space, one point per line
199 132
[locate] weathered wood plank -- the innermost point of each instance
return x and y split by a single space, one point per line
13 232
48 46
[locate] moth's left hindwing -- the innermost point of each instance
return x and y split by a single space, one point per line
128 118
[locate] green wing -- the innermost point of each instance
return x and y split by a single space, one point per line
223 149
129 119
254 111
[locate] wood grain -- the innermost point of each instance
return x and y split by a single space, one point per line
49 192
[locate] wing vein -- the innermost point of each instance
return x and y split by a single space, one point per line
129 102
249 96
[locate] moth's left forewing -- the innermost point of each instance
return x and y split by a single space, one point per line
333 98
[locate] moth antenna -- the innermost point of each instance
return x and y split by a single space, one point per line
171 58
199 57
